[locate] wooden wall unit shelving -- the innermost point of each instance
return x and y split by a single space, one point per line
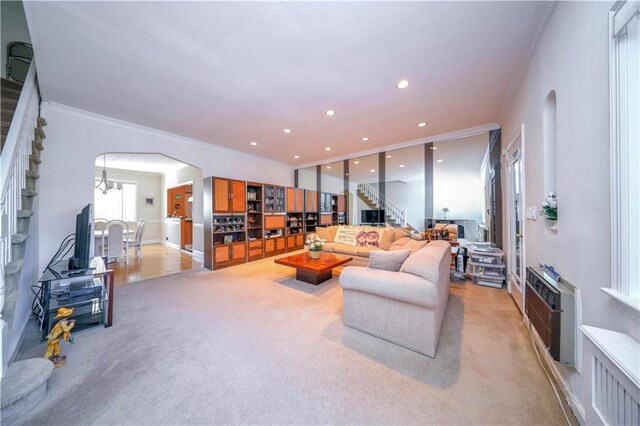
254 221
228 196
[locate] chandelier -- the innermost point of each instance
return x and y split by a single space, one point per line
104 185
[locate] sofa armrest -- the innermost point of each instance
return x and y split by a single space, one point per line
393 285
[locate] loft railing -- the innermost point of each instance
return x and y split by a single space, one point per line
14 163
397 214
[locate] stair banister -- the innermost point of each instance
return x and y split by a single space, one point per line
398 214
14 163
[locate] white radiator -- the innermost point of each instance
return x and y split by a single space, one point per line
615 383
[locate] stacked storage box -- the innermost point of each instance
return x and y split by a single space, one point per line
485 265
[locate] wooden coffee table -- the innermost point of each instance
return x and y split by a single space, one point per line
313 271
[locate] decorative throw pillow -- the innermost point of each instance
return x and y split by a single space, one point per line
388 260
359 236
324 233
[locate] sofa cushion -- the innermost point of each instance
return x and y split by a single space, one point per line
366 251
425 262
345 249
388 260
404 287
399 243
328 247
390 236
324 233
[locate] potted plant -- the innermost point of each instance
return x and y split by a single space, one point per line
314 244
550 206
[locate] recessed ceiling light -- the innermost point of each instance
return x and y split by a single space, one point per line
287 130
402 84
356 162
328 167
401 165
388 156
254 143
365 139
296 156
438 161
373 170
422 124
327 149
434 147
330 112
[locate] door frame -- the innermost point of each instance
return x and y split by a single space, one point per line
519 135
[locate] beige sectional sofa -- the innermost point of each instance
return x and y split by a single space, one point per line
391 239
405 307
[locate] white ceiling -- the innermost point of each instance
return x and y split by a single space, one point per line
230 73
154 163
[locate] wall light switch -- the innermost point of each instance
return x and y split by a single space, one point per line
531 213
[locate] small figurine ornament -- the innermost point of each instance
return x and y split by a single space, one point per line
61 329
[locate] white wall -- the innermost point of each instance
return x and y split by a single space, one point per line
457 181
74 140
13 28
148 185
572 59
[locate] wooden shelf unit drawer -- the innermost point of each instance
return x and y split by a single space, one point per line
274 221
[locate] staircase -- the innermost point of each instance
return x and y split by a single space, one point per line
394 215
24 382
10 93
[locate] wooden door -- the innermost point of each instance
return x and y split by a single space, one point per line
299 199
186 233
341 204
269 246
291 200
291 241
299 240
238 196
239 252
311 202
281 244
221 200
221 254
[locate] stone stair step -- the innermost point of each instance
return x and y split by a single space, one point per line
11 84
19 238
29 192
35 159
24 386
40 132
42 121
38 146
8 104
32 175
6 115
13 267
24 214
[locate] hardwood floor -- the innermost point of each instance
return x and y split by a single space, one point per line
157 260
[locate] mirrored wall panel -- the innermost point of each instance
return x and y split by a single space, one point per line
307 178
364 195
405 187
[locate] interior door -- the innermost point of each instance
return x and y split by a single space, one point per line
515 207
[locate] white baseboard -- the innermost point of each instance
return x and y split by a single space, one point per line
567 393
170 244
156 241
198 255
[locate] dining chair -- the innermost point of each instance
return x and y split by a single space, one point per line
98 226
136 242
115 244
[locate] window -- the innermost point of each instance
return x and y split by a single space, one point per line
624 56
116 204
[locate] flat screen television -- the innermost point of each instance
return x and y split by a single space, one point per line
83 240
372 216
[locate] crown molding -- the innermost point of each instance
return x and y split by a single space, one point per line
516 82
54 106
443 137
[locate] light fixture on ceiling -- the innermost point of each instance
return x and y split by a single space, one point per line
330 113
287 130
328 167
422 124
388 156
402 84
356 162
434 147
401 165
327 149
254 143
438 161
373 170
104 185
365 139
296 156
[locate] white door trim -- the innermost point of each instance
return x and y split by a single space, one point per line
519 135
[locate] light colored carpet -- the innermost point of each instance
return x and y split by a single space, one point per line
250 344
